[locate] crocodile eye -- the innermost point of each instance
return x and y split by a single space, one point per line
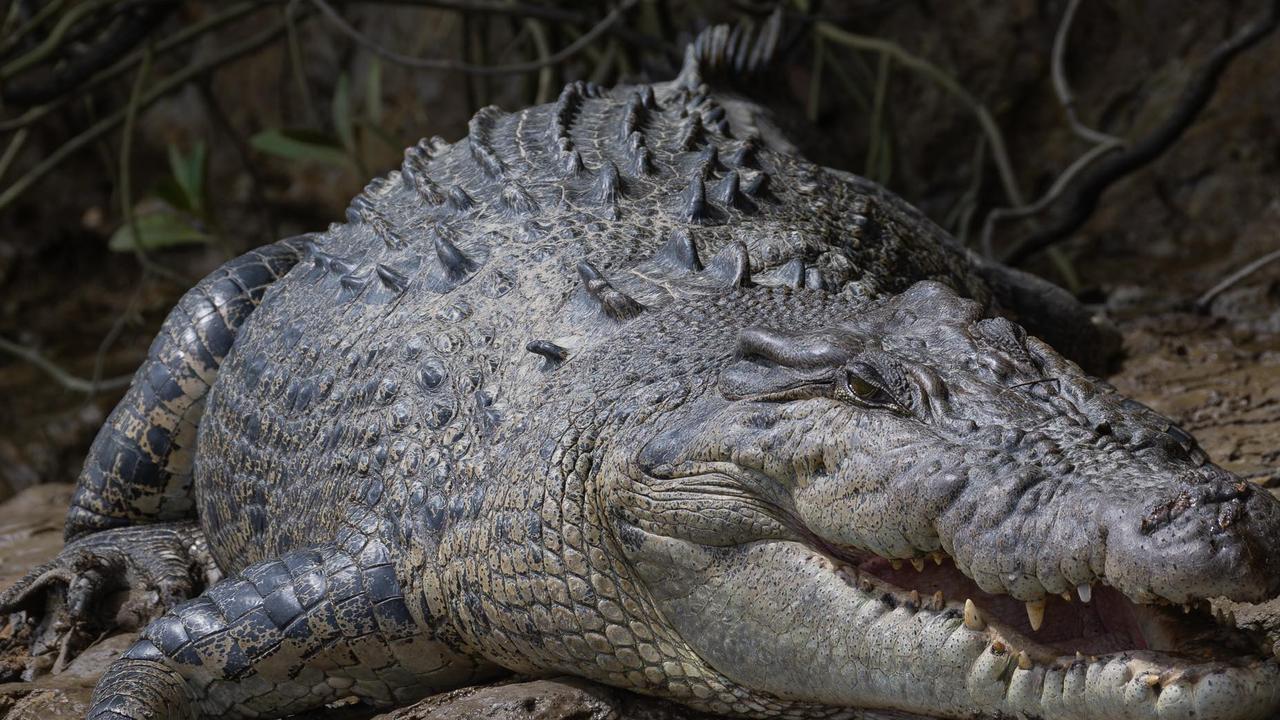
862 386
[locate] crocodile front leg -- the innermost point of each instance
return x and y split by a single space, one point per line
113 579
285 636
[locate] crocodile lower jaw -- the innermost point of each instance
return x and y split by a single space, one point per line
1174 661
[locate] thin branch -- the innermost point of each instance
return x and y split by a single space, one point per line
946 82
1052 194
1195 96
449 64
62 377
1063 88
180 39
105 125
546 74
1207 299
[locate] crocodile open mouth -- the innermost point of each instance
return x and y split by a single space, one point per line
1098 620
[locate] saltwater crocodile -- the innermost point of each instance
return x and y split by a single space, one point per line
622 387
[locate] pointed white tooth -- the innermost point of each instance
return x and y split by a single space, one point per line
939 602
938 557
1085 591
918 564
1067 596
972 619
1024 660
1035 613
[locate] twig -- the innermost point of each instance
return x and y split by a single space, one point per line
138 20
546 74
877 114
1052 194
105 125
11 152
53 39
1202 304
180 39
1196 94
946 82
450 64
62 377
1063 88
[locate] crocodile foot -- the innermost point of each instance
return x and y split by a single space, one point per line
111 580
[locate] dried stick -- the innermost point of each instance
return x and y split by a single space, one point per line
449 64
1201 87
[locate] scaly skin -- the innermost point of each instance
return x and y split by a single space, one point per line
507 418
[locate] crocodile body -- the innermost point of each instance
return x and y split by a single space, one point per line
622 387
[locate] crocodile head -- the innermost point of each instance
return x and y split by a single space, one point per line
926 510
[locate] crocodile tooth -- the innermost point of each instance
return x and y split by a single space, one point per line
914 598
896 564
939 602
1066 596
1024 660
1035 613
918 564
938 557
1085 590
972 619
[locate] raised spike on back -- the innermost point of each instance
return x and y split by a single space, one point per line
632 115
564 110
455 263
691 133
614 304
732 265
639 161
480 140
680 252
693 202
552 353
608 186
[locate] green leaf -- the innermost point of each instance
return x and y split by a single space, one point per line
342 113
157 229
373 93
188 173
300 145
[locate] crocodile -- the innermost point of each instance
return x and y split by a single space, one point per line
623 387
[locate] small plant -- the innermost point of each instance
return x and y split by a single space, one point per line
176 212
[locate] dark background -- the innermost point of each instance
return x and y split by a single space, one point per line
214 127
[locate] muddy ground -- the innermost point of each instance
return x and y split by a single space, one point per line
1159 239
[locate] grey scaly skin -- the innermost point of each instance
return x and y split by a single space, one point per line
620 387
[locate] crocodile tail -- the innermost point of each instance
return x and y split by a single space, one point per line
723 52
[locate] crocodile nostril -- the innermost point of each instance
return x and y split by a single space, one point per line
1103 428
